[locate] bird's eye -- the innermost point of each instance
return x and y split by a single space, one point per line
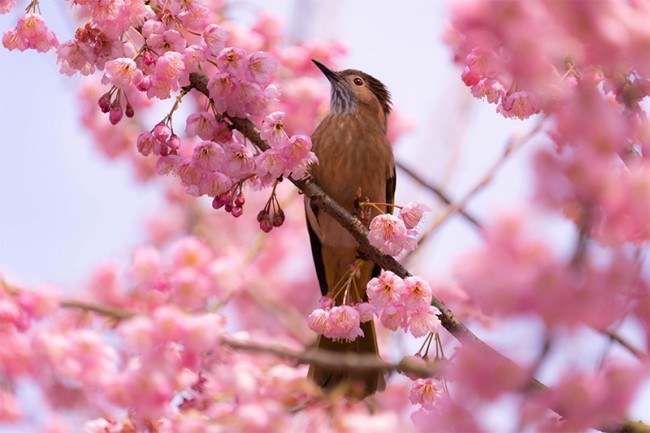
358 81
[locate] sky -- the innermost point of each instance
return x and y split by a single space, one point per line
64 209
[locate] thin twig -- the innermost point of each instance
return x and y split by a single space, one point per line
438 193
350 361
332 360
623 342
513 145
104 310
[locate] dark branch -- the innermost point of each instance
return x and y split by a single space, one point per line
350 361
438 192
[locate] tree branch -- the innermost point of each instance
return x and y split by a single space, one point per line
334 360
104 310
318 197
438 193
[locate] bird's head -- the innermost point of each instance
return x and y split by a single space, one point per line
354 90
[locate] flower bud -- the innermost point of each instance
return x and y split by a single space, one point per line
240 199
278 218
147 58
174 142
265 224
144 84
217 203
129 112
115 114
162 132
105 102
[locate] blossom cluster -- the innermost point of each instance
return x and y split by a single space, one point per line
164 365
590 83
404 303
505 61
396 235
399 303
31 32
152 50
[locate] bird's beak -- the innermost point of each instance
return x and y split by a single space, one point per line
332 76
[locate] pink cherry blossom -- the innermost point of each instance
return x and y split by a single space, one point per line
492 90
416 293
426 392
214 38
412 214
238 160
232 61
366 311
389 234
273 130
6 6
519 104
385 289
123 73
169 70
270 163
190 252
424 321
169 40
318 321
214 183
30 32
260 67
343 323
74 57
208 155
394 316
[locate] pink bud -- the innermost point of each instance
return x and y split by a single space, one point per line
129 110
174 142
278 218
105 102
240 199
216 203
266 225
228 207
144 84
147 58
116 114
237 211
162 132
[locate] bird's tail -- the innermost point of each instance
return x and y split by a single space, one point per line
357 383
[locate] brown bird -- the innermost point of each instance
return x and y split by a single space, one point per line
354 155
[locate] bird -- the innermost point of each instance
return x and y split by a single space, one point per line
355 163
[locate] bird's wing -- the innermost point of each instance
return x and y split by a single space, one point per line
311 213
391 183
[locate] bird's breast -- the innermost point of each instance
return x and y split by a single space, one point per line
353 153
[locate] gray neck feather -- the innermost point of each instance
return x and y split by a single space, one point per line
342 100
